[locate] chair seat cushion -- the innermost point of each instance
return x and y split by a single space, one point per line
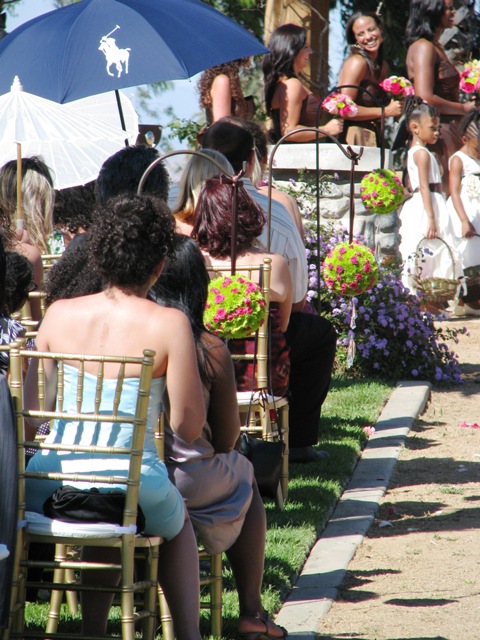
39 524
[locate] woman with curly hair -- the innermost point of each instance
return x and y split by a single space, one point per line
366 68
131 237
289 102
221 92
435 78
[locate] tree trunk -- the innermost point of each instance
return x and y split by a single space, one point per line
313 15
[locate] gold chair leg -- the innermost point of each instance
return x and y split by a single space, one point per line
165 617
216 594
56 596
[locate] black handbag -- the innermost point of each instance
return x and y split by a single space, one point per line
266 458
89 505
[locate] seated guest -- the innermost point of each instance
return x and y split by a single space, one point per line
213 232
215 480
311 338
73 210
197 170
130 238
122 172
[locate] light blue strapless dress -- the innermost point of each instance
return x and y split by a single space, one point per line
161 502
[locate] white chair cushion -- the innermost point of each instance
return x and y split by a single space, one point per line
39 524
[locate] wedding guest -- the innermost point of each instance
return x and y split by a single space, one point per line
311 338
289 102
366 68
215 480
435 78
73 210
131 237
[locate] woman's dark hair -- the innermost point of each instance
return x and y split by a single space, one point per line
231 70
375 65
130 236
3 275
423 18
213 218
74 206
183 284
18 281
471 120
415 109
74 275
284 45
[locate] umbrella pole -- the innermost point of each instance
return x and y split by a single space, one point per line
19 187
120 113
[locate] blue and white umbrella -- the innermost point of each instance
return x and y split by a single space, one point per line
95 46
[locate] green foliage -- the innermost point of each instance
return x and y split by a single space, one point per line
248 13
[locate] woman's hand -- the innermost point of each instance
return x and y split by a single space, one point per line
469 106
431 232
468 230
394 109
334 127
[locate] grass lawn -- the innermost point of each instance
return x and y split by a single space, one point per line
313 491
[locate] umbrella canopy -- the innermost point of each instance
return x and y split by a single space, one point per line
73 143
96 46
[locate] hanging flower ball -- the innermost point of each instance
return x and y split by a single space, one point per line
350 269
381 191
235 307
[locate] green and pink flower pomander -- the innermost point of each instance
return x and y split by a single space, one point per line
381 191
235 307
350 269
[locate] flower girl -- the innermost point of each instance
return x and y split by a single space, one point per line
428 245
464 201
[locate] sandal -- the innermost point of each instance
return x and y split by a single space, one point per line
265 633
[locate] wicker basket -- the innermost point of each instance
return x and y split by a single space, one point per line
437 289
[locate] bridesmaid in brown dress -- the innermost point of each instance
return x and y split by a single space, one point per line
434 77
289 102
365 67
221 92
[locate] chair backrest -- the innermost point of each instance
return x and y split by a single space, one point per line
259 273
99 412
49 259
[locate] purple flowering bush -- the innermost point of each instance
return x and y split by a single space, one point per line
394 338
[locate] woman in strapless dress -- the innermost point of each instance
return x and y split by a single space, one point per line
434 77
289 102
366 68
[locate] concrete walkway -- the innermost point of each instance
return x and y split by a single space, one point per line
324 569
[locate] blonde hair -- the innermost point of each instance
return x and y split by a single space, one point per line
38 197
197 171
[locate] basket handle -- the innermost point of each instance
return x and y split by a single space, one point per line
441 240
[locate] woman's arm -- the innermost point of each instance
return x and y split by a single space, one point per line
291 95
421 61
354 71
184 388
422 160
455 186
281 290
223 416
221 94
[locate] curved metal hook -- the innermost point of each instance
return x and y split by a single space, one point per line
347 151
151 166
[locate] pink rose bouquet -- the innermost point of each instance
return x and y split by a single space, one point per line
339 104
397 87
235 307
381 191
470 77
350 269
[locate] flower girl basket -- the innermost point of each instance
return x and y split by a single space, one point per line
436 289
